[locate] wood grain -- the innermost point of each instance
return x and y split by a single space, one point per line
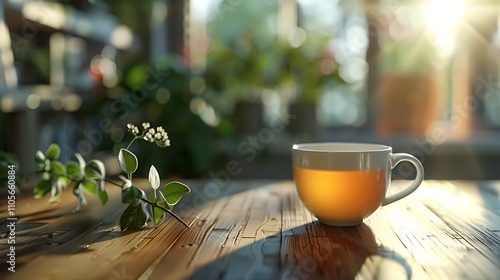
261 230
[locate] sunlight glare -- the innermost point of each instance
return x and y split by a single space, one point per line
444 15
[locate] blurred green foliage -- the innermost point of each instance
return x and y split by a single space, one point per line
242 69
6 160
159 93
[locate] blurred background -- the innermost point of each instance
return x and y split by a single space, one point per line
236 83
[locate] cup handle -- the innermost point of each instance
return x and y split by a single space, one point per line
397 158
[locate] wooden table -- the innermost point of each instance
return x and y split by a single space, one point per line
260 230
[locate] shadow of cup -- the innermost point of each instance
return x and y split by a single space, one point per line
325 252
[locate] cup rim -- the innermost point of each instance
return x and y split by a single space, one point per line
340 147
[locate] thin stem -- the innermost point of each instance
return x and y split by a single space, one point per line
154 218
168 211
113 183
130 144
162 196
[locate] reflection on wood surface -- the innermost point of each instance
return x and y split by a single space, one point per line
260 230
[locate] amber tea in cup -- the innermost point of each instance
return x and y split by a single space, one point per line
344 183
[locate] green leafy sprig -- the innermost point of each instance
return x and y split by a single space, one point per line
86 177
8 162
90 177
136 214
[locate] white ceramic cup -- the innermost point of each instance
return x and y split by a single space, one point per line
344 183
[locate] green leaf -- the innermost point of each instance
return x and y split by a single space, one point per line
39 157
103 196
95 170
165 205
90 186
53 152
158 213
128 161
66 180
173 192
74 171
101 193
155 213
131 194
160 202
42 188
134 217
57 168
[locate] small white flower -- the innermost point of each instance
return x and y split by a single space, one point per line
145 125
151 140
151 131
133 129
158 136
167 142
